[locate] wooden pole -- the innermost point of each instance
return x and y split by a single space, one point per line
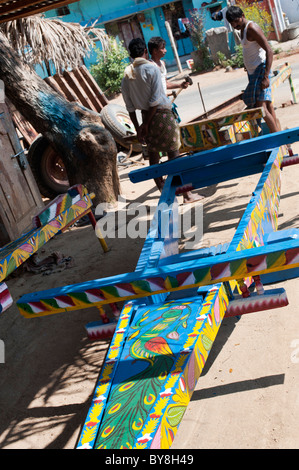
174 49
202 101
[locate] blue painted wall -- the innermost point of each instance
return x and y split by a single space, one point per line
103 11
208 22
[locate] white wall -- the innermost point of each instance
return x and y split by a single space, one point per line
291 9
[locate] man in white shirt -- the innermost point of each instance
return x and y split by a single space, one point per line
157 50
142 89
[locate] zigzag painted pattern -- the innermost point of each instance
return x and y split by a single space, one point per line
207 275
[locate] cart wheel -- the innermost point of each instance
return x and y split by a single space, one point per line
48 168
117 121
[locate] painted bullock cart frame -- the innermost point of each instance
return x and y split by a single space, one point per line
174 302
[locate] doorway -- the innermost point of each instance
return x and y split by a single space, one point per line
174 13
125 30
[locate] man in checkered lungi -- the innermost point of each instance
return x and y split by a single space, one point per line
142 89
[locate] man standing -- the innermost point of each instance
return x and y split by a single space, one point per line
157 50
142 90
221 15
258 58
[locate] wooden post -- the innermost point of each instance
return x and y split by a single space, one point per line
293 90
174 49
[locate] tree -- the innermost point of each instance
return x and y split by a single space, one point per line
201 54
109 70
256 12
53 43
76 133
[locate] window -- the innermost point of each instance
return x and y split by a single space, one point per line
63 11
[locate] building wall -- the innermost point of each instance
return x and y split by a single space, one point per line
274 8
208 10
126 19
130 18
291 9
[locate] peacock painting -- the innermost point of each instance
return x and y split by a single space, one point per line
150 352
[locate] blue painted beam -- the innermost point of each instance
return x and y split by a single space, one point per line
208 271
218 154
158 244
266 225
278 237
225 171
154 245
130 10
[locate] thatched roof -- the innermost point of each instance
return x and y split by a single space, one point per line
13 9
43 41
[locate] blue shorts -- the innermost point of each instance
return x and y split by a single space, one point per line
254 92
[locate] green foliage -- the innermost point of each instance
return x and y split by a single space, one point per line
196 28
222 59
203 59
277 50
207 61
236 60
254 11
238 57
109 70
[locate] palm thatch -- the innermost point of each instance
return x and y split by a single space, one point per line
47 41
98 34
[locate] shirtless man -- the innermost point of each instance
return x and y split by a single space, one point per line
258 58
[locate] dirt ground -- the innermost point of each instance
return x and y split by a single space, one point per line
247 396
